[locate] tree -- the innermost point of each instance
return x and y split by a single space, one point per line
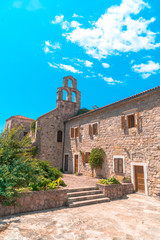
96 158
16 168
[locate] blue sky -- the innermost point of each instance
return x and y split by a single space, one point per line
111 47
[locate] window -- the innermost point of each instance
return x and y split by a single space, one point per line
85 157
93 129
74 132
130 121
59 136
118 165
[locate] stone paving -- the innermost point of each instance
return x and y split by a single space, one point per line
136 217
74 181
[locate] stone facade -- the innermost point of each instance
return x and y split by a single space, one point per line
137 146
18 121
34 201
49 124
115 191
128 130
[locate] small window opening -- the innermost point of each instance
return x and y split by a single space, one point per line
59 136
118 165
73 97
69 83
64 95
131 121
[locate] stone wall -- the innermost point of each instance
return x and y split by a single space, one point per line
34 201
50 123
136 145
115 191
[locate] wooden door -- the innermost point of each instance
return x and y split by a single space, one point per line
66 163
76 163
139 179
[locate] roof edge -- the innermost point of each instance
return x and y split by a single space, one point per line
116 103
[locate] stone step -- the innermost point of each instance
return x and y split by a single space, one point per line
86 197
82 189
83 193
88 202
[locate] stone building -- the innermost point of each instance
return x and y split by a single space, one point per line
19 120
127 130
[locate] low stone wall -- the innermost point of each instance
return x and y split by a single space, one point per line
114 191
34 201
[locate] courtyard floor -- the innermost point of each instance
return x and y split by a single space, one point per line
74 181
136 217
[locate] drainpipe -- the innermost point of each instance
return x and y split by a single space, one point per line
63 145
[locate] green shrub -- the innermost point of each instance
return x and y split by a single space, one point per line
82 110
18 169
33 126
96 157
111 180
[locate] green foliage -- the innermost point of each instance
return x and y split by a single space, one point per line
82 110
15 164
18 169
127 180
33 126
96 157
111 180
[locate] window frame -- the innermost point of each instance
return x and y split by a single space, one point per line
59 140
75 127
121 157
92 129
129 120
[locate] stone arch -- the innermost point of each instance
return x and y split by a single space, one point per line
72 79
69 83
64 95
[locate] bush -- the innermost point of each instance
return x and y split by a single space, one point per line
18 169
33 127
96 157
111 180
82 110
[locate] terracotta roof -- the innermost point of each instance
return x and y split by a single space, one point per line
116 103
21 117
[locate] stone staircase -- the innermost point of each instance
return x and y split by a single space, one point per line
85 196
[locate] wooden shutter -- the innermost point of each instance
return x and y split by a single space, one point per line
90 130
120 165
123 122
116 165
72 132
95 129
137 122
83 160
87 157
77 131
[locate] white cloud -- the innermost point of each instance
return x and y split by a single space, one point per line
146 69
77 16
49 45
65 25
65 67
105 65
75 24
88 63
116 31
47 50
58 19
111 81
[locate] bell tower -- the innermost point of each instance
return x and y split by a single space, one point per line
68 107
